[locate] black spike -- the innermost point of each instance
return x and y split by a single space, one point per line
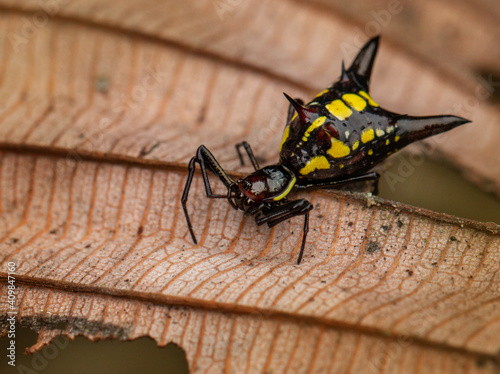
304 113
363 63
415 128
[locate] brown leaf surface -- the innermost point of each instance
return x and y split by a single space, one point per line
461 35
102 107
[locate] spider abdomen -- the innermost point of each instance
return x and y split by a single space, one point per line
343 132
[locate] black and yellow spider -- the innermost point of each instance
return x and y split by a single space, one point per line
334 139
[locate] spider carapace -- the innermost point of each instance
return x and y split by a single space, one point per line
334 139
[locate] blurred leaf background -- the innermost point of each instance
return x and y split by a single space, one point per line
460 38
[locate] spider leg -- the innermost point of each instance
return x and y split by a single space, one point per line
338 182
277 214
250 154
206 161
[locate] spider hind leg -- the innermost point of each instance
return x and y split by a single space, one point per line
249 152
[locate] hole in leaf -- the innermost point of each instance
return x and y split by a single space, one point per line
437 187
82 356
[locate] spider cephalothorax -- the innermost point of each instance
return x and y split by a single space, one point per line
334 139
271 183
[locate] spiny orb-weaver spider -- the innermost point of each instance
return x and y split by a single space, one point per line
334 139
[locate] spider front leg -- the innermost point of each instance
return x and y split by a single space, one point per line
279 213
250 154
206 161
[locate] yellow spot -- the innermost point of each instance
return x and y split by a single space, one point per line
322 93
287 191
339 109
388 153
396 138
387 142
390 129
338 149
354 101
367 136
317 123
285 136
370 152
341 166
319 162
379 132
347 134
367 97
294 116
355 145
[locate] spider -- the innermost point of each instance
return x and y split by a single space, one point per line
335 139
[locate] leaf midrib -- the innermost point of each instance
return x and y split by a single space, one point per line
129 161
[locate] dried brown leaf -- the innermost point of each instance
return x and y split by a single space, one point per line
102 107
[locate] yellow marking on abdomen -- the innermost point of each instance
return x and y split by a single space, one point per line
294 116
367 97
379 132
287 191
338 149
354 101
285 136
322 93
355 145
396 138
367 135
317 123
370 152
339 109
316 163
